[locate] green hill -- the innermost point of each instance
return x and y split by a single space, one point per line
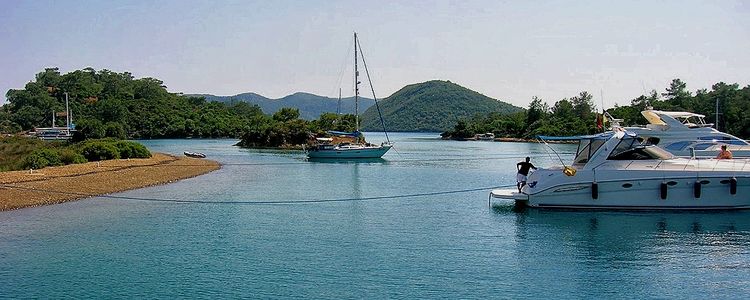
310 105
433 106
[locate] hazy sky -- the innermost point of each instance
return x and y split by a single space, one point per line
511 51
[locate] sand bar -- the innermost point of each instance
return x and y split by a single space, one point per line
52 185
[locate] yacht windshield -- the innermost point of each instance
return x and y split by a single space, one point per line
586 148
631 148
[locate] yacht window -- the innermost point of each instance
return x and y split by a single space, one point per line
641 152
702 146
625 144
714 137
677 146
586 148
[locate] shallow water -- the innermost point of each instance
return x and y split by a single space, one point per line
379 230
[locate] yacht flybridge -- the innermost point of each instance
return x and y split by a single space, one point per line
687 134
619 170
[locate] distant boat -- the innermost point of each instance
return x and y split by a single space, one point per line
687 134
57 133
194 154
485 137
349 145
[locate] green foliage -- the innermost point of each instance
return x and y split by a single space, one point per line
577 115
286 114
431 106
331 121
69 156
130 149
96 150
13 150
89 129
41 158
19 152
114 130
106 103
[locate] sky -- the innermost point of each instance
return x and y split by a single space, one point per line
507 50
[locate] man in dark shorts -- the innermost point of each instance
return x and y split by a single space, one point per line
523 171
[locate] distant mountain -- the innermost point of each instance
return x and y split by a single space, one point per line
310 106
433 106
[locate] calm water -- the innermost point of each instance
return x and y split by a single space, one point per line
438 246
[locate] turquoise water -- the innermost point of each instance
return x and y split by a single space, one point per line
219 243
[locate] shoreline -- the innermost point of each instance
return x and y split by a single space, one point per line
53 185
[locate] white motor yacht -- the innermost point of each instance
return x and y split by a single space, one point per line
618 170
687 134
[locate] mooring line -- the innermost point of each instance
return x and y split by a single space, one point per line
279 202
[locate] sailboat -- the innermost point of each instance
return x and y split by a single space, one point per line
348 145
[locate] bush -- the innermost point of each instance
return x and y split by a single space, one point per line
89 129
71 157
114 130
129 149
99 150
41 158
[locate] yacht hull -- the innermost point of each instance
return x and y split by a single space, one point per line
347 153
655 192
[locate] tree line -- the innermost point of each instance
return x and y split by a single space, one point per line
111 104
578 115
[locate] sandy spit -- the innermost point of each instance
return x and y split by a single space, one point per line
52 185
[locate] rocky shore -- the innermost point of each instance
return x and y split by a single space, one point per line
52 185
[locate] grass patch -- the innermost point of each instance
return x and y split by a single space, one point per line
23 153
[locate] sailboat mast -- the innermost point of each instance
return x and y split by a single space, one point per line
356 86
67 112
338 108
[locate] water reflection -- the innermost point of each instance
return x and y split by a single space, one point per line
627 222
622 239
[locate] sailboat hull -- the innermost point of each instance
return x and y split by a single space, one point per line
349 152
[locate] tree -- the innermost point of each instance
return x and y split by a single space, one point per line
89 129
583 106
286 114
677 93
537 110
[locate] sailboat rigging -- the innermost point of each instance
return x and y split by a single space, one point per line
356 146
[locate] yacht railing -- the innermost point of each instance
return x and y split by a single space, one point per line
692 165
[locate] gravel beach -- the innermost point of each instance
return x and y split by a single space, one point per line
52 185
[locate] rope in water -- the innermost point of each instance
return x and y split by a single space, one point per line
277 202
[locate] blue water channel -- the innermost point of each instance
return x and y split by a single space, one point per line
415 224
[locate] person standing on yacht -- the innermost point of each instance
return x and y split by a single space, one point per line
724 153
523 171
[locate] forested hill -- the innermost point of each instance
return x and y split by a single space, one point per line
106 103
310 106
431 106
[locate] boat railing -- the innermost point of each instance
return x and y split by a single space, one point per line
694 165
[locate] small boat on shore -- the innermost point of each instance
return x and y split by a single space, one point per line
194 154
619 170
485 137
